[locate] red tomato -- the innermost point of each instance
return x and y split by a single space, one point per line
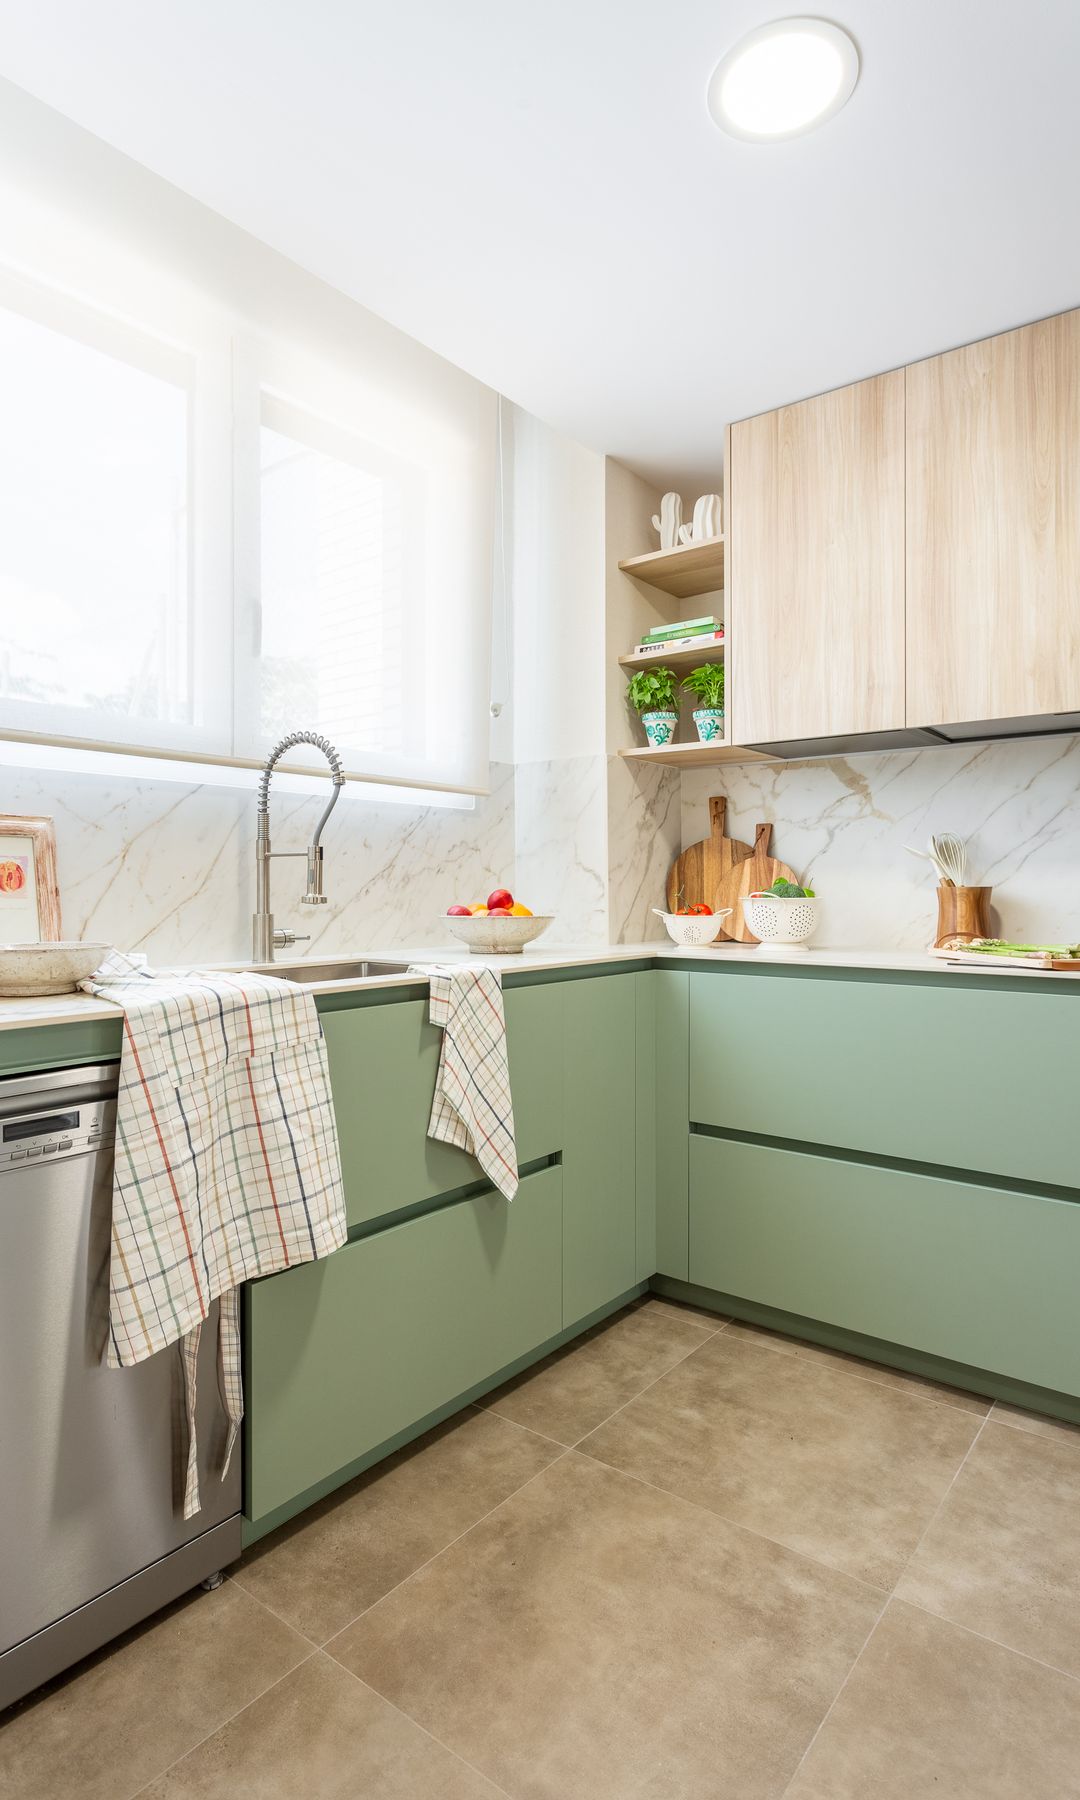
702 910
500 898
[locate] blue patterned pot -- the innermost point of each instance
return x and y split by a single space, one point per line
659 727
710 724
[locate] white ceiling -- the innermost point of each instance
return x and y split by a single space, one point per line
538 193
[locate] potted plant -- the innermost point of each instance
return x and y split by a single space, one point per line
706 683
652 693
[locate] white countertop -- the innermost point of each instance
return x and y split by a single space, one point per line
64 1009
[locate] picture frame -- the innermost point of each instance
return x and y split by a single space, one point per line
29 891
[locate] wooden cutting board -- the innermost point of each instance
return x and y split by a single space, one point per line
757 871
698 872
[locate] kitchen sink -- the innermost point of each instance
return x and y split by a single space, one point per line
348 969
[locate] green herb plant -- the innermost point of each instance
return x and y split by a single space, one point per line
707 684
790 890
653 690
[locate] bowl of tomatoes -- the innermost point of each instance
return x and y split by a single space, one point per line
693 925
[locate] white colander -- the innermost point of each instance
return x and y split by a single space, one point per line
692 928
781 923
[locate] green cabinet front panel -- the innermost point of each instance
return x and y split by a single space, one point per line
977 1275
345 1353
672 1123
383 1064
973 1077
599 1160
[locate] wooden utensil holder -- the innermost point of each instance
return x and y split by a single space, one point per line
962 912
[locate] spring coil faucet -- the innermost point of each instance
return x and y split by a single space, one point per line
264 939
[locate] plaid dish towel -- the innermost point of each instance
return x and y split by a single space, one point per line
472 1107
226 1162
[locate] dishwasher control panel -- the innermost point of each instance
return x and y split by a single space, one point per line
58 1132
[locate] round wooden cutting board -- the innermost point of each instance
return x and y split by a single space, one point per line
696 874
754 873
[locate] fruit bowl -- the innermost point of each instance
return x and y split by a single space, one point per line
693 928
497 937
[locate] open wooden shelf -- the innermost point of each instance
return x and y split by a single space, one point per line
689 570
673 659
695 756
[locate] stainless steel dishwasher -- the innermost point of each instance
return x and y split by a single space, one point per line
92 1536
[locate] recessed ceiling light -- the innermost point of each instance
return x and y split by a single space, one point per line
783 79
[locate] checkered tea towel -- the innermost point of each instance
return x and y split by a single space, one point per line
226 1162
472 1106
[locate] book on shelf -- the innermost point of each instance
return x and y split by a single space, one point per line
680 628
706 640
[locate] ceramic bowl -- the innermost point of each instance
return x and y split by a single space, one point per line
30 969
693 928
497 937
780 923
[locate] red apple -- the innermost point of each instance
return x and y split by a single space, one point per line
499 912
458 912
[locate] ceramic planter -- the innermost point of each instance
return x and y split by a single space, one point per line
710 723
659 727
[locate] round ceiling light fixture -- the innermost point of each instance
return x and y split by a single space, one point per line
783 79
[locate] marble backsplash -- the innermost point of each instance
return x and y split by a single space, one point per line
844 824
169 868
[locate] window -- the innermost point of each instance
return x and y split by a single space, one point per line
207 544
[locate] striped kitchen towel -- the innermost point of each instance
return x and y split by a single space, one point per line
226 1162
472 1106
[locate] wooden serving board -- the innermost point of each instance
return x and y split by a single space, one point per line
757 871
698 872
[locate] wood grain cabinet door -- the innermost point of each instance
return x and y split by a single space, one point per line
993 536
816 582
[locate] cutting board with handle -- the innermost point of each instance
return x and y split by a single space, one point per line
698 872
750 876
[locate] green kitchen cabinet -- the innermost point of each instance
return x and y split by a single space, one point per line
975 1077
961 1269
599 1143
346 1353
672 1123
383 1065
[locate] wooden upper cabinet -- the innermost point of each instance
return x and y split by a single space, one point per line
993 537
816 566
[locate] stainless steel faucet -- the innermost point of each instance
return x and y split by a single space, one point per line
264 939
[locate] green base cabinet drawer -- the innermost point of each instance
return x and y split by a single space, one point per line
968 1077
978 1275
383 1064
346 1352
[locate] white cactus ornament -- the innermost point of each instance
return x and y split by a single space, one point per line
668 521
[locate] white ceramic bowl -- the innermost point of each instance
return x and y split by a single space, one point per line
30 969
781 924
497 937
692 928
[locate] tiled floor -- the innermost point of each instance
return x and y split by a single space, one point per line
682 1558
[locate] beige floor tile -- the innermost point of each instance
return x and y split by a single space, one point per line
932 1713
595 1639
124 1715
844 1470
324 1568
570 1392
1003 1554
321 1735
681 1309
858 1365
1037 1423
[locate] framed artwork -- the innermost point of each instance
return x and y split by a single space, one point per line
29 895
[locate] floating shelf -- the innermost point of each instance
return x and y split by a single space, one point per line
689 570
673 659
696 756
